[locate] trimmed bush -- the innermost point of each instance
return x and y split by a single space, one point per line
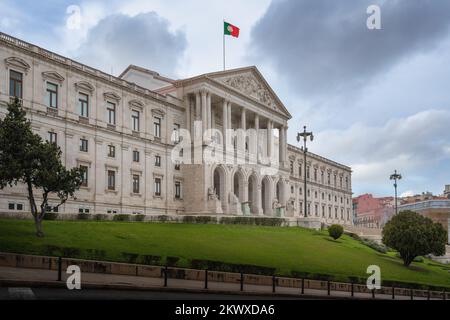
230 267
71 252
83 216
171 261
199 219
121 217
51 215
95 254
335 231
374 245
273 222
150 260
130 257
100 217
139 217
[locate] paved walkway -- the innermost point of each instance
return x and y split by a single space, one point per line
22 277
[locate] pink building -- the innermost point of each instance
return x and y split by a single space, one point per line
372 212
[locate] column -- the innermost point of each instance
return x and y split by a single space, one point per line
282 145
243 119
208 111
204 112
224 121
269 138
197 105
256 149
229 116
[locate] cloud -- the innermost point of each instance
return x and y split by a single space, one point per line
408 193
144 39
416 145
324 48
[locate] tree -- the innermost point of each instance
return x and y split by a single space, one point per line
25 158
413 235
335 231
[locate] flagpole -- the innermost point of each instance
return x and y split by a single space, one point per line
223 33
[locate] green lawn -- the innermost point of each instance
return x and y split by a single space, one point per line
287 249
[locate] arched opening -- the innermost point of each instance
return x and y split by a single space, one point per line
238 185
219 186
266 196
252 196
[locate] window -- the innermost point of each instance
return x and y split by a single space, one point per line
111 180
52 95
177 190
84 177
323 196
321 177
316 210
292 167
177 166
83 210
111 151
176 133
292 189
335 181
157 161
135 156
307 172
157 127
340 182
323 211
83 105
19 206
315 194
346 182
328 178
300 170
111 110
135 120
135 183
315 174
335 213
84 145
15 84
157 186
52 137
11 206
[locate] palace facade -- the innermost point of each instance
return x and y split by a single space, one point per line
122 131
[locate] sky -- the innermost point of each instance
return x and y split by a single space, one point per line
376 100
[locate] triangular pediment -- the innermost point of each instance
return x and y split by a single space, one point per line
251 83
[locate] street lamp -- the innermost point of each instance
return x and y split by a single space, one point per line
305 136
395 176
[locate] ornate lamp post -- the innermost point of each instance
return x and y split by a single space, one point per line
395 176
305 136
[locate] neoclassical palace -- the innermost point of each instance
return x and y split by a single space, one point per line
142 140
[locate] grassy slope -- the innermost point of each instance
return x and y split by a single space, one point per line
284 248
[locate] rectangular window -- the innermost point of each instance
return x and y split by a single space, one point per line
135 120
135 183
83 105
83 145
157 127
177 190
111 151
84 177
11 206
19 206
52 137
111 180
307 172
292 167
15 84
176 133
136 156
177 166
157 186
52 95
157 161
111 109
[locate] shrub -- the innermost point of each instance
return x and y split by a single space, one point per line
139 217
130 257
95 254
198 219
83 216
416 259
121 217
71 252
375 245
150 260
171 261
163 218
335 231
274 222
412 235
100 217
230 267
51 215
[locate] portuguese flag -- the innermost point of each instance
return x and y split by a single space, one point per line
229 29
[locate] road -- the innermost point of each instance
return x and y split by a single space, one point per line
17 293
